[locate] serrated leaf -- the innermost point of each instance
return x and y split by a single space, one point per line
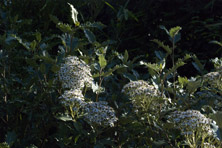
64 27
165 47
25 44
175 67
174 31
102 61
154 66
90 36
183 81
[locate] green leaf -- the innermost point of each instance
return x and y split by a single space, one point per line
38 36
64 117
154 66
217 117
174 31
193 85
25 44
159 54
216 42
165 47
110 6
33 45
109 72
126 56
164 28
64 27
178 64
76 138
183 81
90 36
102 61
97 25
11 138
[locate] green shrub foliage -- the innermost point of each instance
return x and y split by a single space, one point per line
104 73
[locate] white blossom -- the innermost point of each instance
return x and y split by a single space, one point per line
73 97
190 121
140 88
75 73
99 113
208 145
214 79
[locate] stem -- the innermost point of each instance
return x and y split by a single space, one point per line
100 84
5 95
174 74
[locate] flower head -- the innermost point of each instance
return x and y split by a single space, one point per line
99 113
190 121
75 73
142 95
140 88
73 97
214 79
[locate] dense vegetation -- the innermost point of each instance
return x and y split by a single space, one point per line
105 73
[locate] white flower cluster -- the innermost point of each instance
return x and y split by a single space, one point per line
190 121
75 73
214 79
99 113
208 145
140 88
73 97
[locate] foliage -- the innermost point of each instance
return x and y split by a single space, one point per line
119 94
